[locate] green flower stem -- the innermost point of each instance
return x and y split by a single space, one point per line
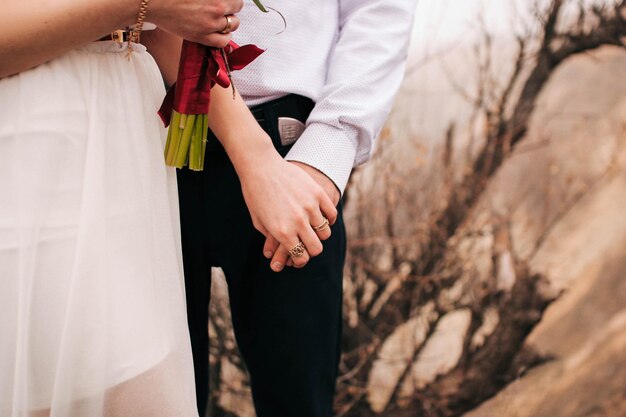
205 135
185 140
260 6
195 157
199 133
193 147
172 148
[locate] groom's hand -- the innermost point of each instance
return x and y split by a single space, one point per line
322 180
279 254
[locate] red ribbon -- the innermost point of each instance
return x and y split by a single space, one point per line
200 68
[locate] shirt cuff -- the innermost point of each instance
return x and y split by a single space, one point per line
329 149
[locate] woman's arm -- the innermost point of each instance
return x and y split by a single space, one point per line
35 31
283 200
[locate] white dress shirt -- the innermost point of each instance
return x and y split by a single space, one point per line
346 55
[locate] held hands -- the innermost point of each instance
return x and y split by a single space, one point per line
200 21
287 202
279 253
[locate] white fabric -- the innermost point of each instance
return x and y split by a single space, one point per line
92 320
346 55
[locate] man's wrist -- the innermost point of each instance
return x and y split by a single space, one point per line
322 179
329 149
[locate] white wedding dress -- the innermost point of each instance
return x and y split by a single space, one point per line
92 310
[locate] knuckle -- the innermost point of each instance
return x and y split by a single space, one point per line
282 233
220 8
311 205
211 12
320 194
303 222
237 5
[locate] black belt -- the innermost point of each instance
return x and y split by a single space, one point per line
292 106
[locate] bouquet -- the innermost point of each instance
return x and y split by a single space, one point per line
186 105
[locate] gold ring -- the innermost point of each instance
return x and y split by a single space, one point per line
229 23
297 251
322 226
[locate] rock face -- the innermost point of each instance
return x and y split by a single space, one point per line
585 333
584 252
442 351
395 356
555 210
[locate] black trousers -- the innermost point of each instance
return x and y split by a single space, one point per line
287 325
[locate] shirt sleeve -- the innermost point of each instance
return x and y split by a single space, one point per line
365 71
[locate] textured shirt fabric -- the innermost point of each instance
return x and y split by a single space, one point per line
346 55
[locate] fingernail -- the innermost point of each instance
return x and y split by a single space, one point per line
277 266
268 254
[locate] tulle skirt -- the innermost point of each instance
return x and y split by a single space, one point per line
92 310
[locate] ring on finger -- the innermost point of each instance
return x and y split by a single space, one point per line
297 251
229 25
322 226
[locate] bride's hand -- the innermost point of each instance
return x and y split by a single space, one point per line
284 201
285 204
196 20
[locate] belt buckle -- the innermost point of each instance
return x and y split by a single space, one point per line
290 130
118 35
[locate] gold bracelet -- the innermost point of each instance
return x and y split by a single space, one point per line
135 31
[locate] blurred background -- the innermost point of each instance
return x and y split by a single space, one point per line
487 238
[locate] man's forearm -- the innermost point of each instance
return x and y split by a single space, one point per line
364 74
